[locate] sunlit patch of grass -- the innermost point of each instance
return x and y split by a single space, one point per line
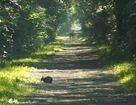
126 79
39 58
26 60
83 39
30 62
62 37
122 68
44 53
50 49
13 82
13 74
86 39
126 72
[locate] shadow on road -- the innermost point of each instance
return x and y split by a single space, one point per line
78 80
96 89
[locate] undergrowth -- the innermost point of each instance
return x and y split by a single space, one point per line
86 39
14 81
123 69
126 73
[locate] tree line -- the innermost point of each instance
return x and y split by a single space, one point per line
27 25
111 23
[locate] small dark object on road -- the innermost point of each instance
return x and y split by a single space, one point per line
47 79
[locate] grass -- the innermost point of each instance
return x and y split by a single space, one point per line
13 80
126 72
50 49
40 57
86 39
13 74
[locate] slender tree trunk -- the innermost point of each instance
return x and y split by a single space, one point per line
119 20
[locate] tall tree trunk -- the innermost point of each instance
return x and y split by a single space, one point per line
119 20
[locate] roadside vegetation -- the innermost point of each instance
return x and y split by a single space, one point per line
27 37
123 69
28 32
126 73
110 24
14 78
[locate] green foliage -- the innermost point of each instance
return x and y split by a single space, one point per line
87 39
13 82
98 20
111 23
26 26
38 59
30 33
14 78
126 72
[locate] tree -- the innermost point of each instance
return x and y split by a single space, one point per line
25 26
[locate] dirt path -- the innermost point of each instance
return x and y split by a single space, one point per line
78 80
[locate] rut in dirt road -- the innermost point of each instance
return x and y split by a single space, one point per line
78 80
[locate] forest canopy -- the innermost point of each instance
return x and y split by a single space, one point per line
111 23
26 26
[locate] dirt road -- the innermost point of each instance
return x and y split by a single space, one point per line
78 80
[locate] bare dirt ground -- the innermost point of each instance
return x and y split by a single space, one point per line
78 79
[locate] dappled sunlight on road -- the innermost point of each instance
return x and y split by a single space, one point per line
78 79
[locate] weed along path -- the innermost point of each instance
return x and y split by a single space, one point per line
77 80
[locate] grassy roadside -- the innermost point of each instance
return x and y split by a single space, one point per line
86 39
124 70
13 75
126 73
13 82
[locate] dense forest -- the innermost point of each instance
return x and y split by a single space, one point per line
28 25
110 22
